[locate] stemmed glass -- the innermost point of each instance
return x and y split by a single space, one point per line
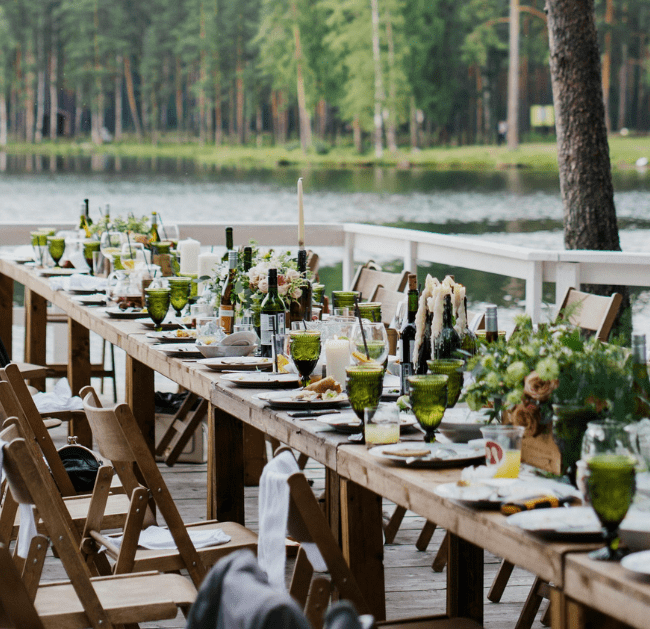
180 292
56 247
158 300
39 244
364 386
453 367
376 341
610 485
428 400
305 348
111 243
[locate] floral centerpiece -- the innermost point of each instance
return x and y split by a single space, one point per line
129 225
552 368
252 286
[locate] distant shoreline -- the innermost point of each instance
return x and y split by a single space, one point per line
538 156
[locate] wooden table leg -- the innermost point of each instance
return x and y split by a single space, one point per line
6 312
464 579
79 377
140 396
333 503
363 543
35 333
225 467
254 455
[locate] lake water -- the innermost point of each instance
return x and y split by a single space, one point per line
513 206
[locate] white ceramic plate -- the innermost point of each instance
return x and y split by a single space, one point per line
282 400
220 350
440 455
635 529
166 326
639 563
186 350
559 522
461 425
129 313
90 300
243 363
263 380
53 272
167 336
348 422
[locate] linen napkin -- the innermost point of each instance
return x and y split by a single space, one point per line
60 399
78 282
27 530
159 538
274 497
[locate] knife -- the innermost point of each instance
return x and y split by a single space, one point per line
308 414
538 502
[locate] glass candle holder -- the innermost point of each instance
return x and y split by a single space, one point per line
453 367
158 300
364 387
180 287
428 395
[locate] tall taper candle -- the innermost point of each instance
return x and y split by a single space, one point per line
301 218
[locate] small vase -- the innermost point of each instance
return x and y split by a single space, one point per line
569 425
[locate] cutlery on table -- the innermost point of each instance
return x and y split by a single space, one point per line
310 414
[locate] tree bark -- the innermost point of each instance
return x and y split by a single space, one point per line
203 76
391 131
3 102
130 91
40 84
178 78
54 92
78 108
239 87
29 94
583 151
305 122
513 78
356 132
607 60
118 98
379 83
413 125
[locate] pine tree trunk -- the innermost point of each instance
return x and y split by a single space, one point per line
379 83
203 76
218 111
413 125
78 109
54 92
118 98
231 112
513 77
40 85
622 87
3 102
130 92
275 118
178 79
258 125
356 133
97 113
607 60
583 151
303 116
391 131
239 86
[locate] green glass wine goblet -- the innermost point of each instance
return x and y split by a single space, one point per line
180 292
453 367
39 245
305 348
428 400
364 386
90 246
158 300
611 483
56 247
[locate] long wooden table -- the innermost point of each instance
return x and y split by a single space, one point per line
360 478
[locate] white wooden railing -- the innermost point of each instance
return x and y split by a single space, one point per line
360 241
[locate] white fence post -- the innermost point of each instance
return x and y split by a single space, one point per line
567 275
348 261
411 256
534 290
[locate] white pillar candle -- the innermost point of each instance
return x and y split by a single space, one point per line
207 262
301 218
337 357
189 250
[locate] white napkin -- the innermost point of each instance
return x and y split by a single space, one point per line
158 538
59 400
27 530
78 260
78 282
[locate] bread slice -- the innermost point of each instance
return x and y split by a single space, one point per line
325 384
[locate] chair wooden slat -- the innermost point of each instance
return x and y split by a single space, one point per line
595 313
367 279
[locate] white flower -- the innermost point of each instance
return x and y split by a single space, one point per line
291 275
297 293
283 289
263 286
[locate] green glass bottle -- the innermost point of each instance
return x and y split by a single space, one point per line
84 220
407 336
300 309
154 236
640 380
229 243
272 317
491 325
467 337
227 305
447 343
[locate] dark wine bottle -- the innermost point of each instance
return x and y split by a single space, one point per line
227 305
640 380
248 259
467 337
491 324
229 243
407 336
300 309
424 354
272 316
447 343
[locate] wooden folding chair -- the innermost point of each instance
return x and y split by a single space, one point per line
307 523
120 441
369 276
84 601
592 313
389 300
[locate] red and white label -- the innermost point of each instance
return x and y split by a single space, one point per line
493 453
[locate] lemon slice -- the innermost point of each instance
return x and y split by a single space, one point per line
362 358
128 264
283 361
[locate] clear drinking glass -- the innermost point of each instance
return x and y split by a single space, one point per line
503 449
381 426
376 342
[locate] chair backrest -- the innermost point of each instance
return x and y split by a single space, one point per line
389 300
30 482
367 279
120 440
594 313
16 401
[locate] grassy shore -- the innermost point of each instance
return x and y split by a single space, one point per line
624 152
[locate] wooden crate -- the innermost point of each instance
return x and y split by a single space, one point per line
541 452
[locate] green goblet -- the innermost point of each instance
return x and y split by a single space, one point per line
39 244
428 400
90 246
317 292
371 310
453 367
364 387
158 300
305 347
344 299
180 292
56 247
610 486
